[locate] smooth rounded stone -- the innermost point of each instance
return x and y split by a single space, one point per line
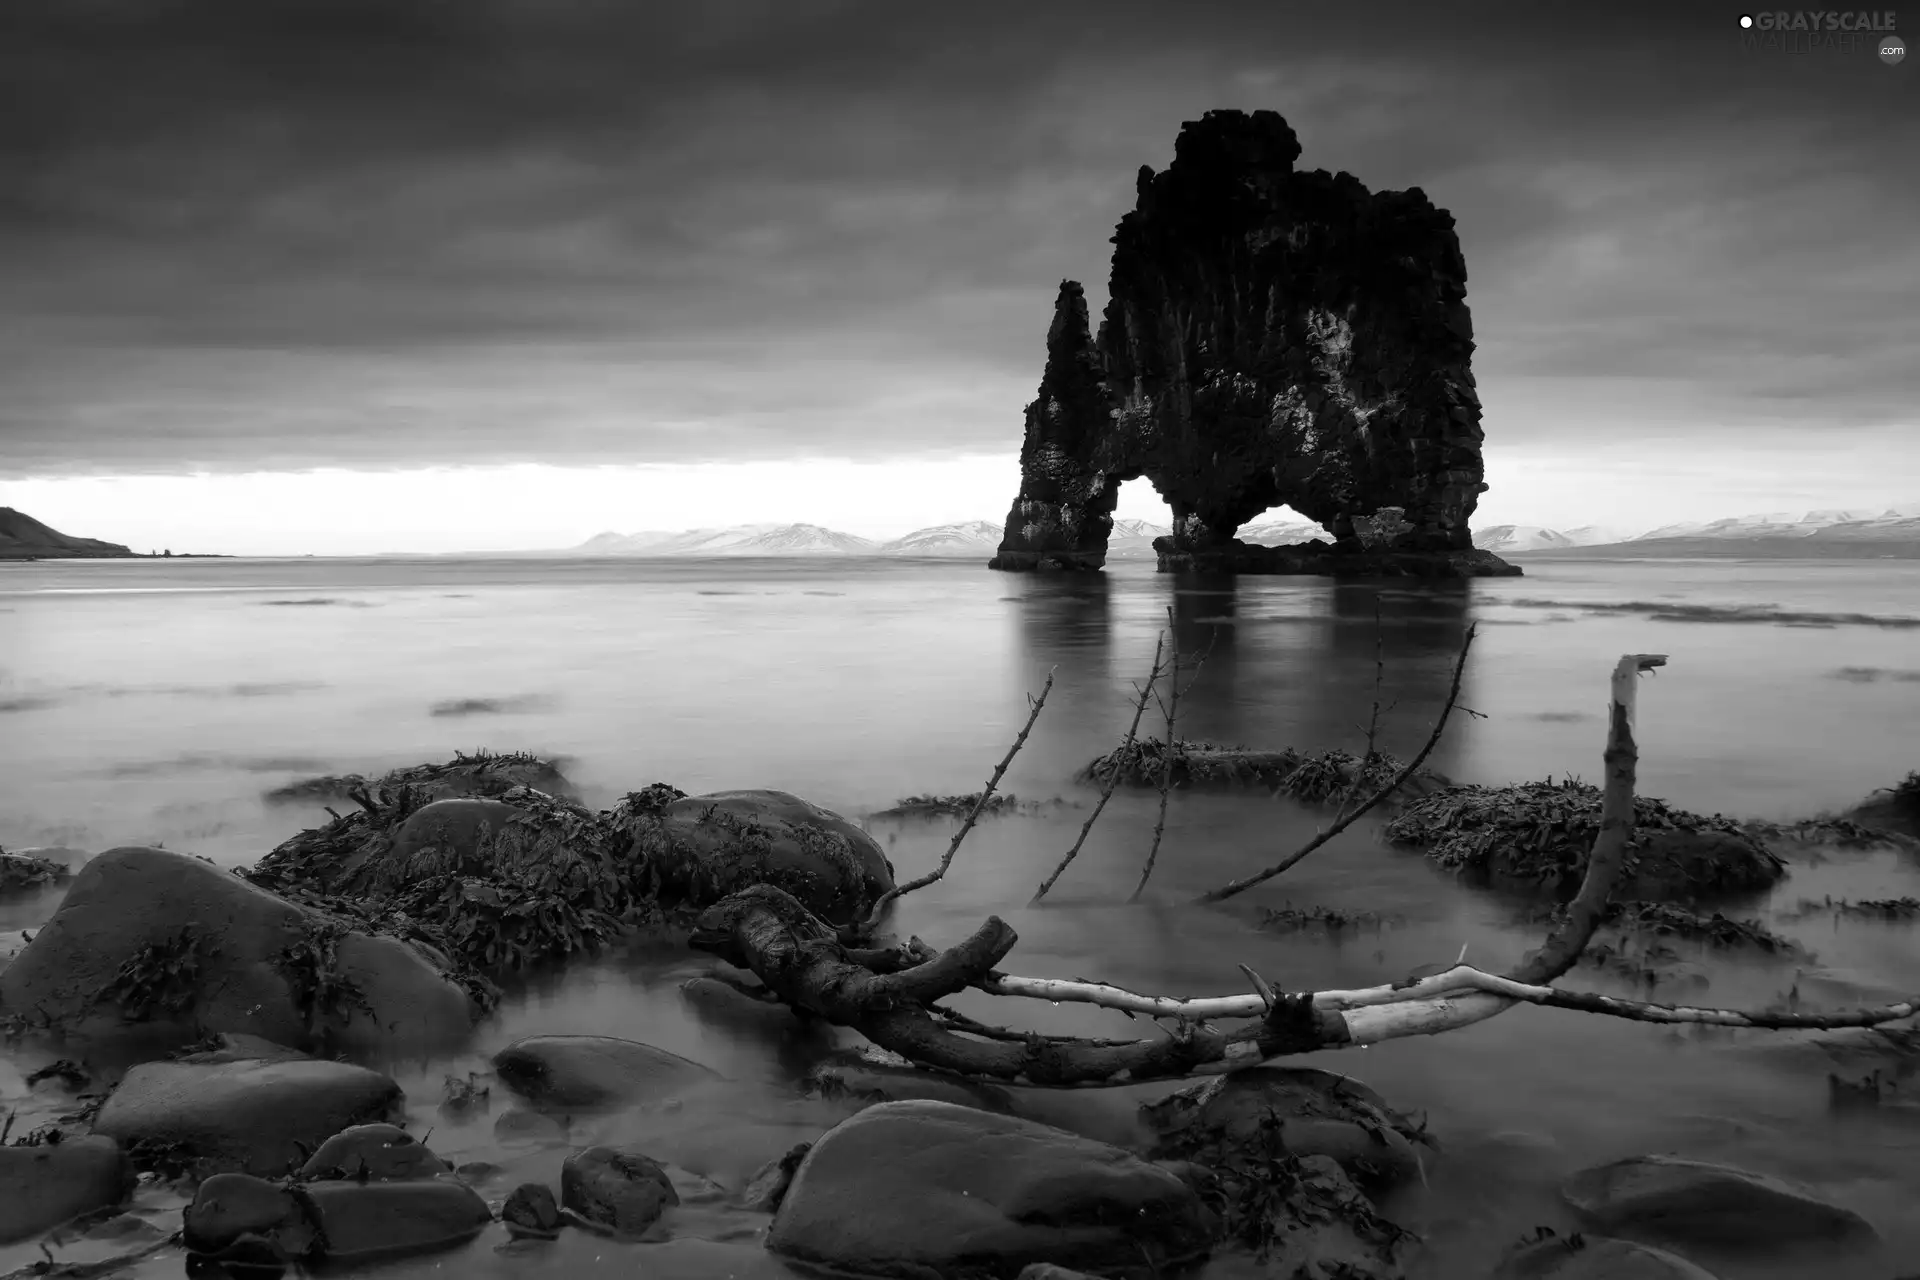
381 1152
128 899
532 1211
358 1221
705 847
229 1206
1712 1203
720 1002
847 1075
43 1186
623 1191
588 1073
252 1117
911 1188
1321 1113
1595 1258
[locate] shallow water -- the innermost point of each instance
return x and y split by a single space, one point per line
153 703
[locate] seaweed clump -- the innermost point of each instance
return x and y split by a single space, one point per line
527 879
482 773
1538 835
1190 763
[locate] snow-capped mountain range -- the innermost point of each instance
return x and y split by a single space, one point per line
1134 538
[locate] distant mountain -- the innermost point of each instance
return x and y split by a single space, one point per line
740 540
1281 533
968 538
1520 537
22 537
1812 535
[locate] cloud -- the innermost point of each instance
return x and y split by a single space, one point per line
246 234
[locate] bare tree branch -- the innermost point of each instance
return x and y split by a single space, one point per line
1341 823
1172 710
872 921
1116 763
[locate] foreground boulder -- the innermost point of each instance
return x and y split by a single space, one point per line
623 1191
1304 1111
591 1073
160 938
262 1118
1538 835
1693 1200
696 850
931 1188
1595 1258
43 1186
247 1219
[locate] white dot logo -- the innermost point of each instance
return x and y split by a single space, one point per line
1892 50
1746 20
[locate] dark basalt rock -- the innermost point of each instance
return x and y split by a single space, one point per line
563 1074
1271 337
914 1189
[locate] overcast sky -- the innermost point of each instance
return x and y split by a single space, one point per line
256 236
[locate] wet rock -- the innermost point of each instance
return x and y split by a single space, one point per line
1312 1112
623 1191
768 1185
1048 1271
380 1152
589 1073
357 1222
1693 1200
178 945
43 1186
532 1211
21 873
847 1075
229 1206
699 849
253 1117
940 1187
1595 1258
721 1002
1538 835
1895 808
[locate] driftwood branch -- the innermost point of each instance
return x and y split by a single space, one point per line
866 927
1117 763
888 994
1347 819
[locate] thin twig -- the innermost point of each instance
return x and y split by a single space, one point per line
1172 710
1333 829
973 815
1119 761
1373 718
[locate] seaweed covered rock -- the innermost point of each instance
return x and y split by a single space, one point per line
1895 808
23 873
1538 834
587 1073
484 773
930 1188
696 850
499 884
1311 779
1310 1112
175 944
262 1118
45 1184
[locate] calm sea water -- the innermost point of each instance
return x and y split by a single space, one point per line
154 702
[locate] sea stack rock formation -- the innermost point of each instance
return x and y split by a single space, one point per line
1271 337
